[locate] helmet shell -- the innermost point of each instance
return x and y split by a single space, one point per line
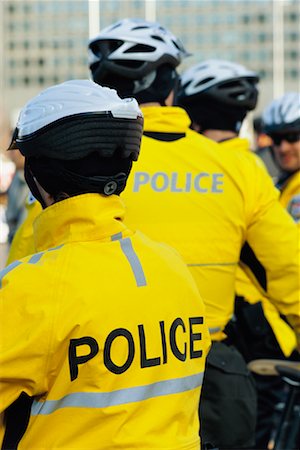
283 114
133 48
72 119
229 83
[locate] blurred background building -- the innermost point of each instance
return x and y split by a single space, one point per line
45 41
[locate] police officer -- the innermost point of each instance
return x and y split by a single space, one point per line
218 95
185 190
97 328
281 121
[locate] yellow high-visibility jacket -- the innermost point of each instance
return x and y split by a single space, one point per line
206 202
106 329
290 196
23 243
244 286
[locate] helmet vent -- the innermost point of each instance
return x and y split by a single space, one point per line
117 25
176 45
158 38
140 28
204 81
132 64
230 84
104 47
140 48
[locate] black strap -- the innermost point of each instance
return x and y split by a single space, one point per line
249 258
16 421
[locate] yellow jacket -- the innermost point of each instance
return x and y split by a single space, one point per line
245 288
23 243
290 196
206 202
105 329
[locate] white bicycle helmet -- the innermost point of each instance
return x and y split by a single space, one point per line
78 137
228 83
283 114
133 48
72 119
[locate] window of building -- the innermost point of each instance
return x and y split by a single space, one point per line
11 8
246 19
26 8
247 37
262 73
294 73
246 55
293 16
261 18
293 54
262 37
294 36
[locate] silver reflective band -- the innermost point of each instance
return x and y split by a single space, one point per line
116 237
120 397
7 269
35 258
32 260
134 261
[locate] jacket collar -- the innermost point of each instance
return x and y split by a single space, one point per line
286 178
167 119
84 217
237 143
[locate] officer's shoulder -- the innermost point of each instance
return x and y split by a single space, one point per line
201 139
30 269
163 252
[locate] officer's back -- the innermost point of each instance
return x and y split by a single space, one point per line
100 335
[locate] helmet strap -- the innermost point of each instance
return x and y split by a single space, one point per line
32 184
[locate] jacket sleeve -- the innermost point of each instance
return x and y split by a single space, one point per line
270 255
26 328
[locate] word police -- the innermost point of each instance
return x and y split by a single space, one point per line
202 182
188 335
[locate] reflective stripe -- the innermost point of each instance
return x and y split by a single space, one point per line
214 330
55 248
35 258
214 264
120 397
116 237
32 260
7 269
134 261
